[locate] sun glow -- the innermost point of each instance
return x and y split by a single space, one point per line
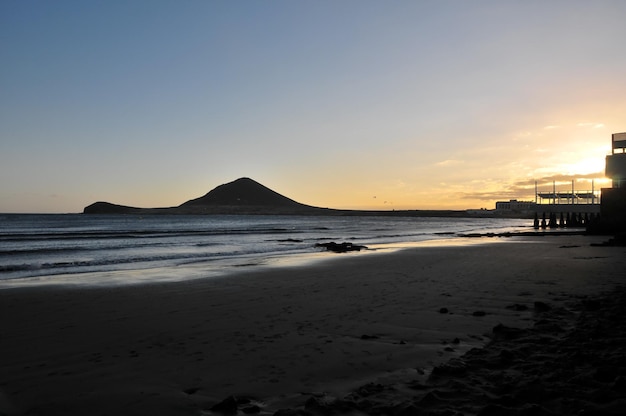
588 165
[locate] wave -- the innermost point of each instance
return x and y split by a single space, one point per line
82 266
43 250
54 245
119 262
140 234
80 248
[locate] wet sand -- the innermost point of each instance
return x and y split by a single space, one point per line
410 332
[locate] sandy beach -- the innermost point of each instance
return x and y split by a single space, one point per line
431 330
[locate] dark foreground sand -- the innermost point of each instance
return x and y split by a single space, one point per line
526 326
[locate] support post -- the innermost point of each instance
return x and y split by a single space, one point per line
593 193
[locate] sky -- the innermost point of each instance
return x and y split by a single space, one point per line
352 104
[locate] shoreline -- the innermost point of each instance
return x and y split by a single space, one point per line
210 269
45 262
224 268
280 335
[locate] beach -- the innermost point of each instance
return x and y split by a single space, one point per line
361 333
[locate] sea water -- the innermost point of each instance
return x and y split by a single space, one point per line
122 249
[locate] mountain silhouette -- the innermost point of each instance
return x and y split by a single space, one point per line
243 192
242 196
246 196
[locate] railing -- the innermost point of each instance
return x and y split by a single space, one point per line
579 197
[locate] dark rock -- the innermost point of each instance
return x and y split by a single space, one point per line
292 412
191 390
369 389
341 247
535 391
227 406
443 310
495 410
534 410
542 307
316 404
244 400
507 400
251 409
365 406
505 332
548 326
342 406
506 356
383 409
592 304
408 409
327 405
416 385
620 384
431 398
606 374
452 367
479 313
367 337
517 307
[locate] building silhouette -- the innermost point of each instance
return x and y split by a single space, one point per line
613 204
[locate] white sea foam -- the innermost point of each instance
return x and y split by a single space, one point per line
45 249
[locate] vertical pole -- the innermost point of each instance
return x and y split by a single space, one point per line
535 192
553 192
572 191
593 193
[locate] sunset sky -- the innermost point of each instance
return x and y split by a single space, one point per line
342 104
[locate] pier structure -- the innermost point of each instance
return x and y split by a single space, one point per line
574 196
572 208
573 200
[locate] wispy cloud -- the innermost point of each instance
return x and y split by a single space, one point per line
504 195
591 125
449 162
525 189
559 178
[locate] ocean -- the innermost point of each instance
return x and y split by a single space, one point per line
101 250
